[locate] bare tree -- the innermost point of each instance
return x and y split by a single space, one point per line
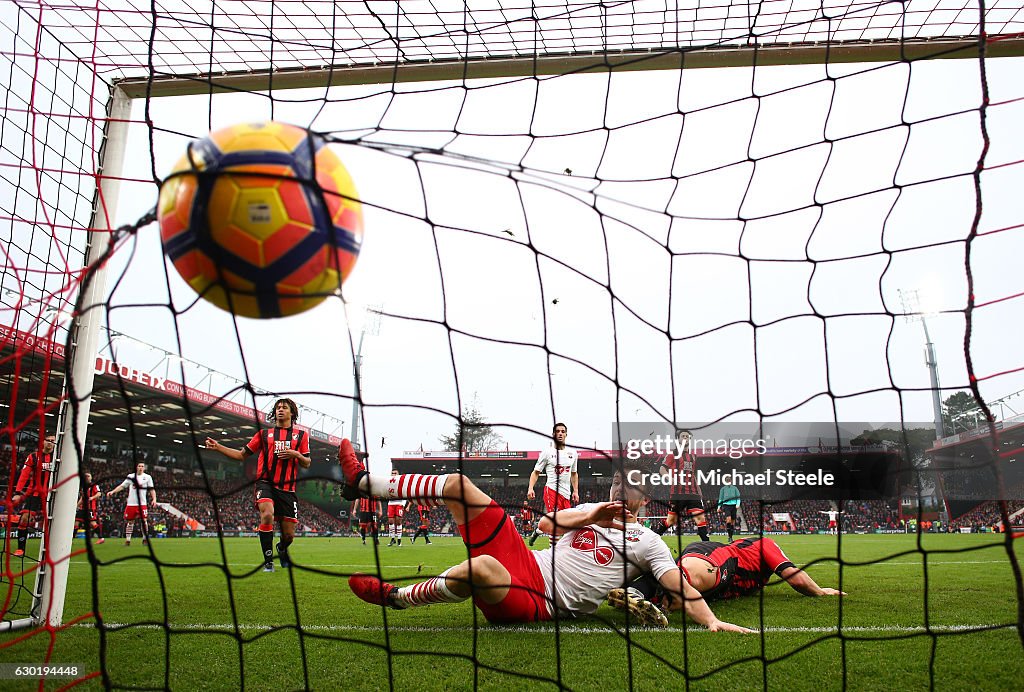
472 433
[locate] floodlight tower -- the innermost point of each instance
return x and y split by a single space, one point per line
369 318
911 301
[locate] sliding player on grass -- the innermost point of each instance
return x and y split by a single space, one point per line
507 581
720 571
282 450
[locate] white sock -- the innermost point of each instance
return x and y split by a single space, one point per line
408 486
428 592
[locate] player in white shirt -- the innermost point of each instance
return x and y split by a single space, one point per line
507 581
833 525
396 517
137 484
562 489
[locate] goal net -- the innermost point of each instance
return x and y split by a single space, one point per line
617 215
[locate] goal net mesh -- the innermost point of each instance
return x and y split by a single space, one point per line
610 211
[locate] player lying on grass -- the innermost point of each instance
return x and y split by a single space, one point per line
719 570
507 581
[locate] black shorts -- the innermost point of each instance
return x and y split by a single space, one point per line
367 517
729 511
32 503
286 504
83 515
685 504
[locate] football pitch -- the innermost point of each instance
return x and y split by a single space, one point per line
188 622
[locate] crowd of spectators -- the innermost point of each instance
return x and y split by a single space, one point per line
871 515
986 516
197 499
217 504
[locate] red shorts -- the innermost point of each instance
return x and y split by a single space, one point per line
491 533
135 511
395 511
553 501
831 524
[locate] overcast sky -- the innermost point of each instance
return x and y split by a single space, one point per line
671 239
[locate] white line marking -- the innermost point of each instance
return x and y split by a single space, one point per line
547 627
918 563
819 565
149 563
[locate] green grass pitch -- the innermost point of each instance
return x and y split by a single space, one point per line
291 630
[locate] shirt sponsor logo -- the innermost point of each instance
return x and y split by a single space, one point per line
586 541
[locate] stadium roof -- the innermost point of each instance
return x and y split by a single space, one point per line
128 402
1010 431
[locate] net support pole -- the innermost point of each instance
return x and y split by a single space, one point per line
81 361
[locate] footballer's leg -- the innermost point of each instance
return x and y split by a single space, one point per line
463 499
454 585
287 536
265 530
668 522
286 512
504 581
22 533
700 519
391 531
483 576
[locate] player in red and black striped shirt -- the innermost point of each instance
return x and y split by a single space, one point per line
684 494
742 568
282 450
365 509
31 488
88 515
526 518
423 529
